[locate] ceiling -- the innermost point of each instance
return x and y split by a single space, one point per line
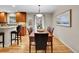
28 8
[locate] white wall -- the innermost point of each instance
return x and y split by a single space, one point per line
29 16
47 19
69 35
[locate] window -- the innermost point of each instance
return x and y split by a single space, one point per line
11 18
39 22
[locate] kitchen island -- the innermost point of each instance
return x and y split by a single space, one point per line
7 34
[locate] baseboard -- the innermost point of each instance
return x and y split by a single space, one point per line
72 50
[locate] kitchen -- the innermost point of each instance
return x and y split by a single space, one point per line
9 22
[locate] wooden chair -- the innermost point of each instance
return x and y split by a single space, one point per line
2 42
41 41
17 35
50 39
48 28
31 39
30 30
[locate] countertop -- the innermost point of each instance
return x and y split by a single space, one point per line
6 27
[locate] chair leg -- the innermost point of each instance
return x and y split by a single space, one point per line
20 38
45 50
36 50
3 41
51 46
17 40
11 38
29 47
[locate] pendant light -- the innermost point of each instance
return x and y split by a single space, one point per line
39 14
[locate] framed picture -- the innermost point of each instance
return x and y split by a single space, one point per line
64 19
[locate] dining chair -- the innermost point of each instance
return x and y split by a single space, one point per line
30 30
48 28
41 41
50 39
31 39
51 31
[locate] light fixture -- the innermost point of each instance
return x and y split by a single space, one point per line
39 14
13 6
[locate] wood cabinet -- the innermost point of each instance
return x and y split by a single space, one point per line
3 17
21 17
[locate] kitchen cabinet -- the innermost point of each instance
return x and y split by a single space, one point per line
3 17
20 16
21 19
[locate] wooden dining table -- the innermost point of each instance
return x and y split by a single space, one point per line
32 34
32 38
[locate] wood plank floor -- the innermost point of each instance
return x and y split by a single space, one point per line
58 47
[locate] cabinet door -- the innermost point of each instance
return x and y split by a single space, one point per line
23 17
3 17
20 17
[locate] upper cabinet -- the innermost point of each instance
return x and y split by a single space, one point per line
20 16
3 17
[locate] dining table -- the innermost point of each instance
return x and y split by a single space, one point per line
45 31
32 38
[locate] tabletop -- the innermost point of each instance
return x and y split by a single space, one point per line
32 34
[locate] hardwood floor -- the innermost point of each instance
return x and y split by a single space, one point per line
58 47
